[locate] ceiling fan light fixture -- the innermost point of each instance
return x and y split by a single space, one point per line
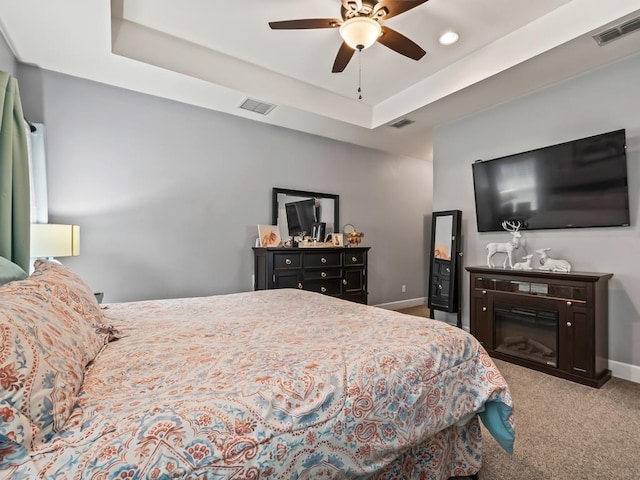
360 32
448 38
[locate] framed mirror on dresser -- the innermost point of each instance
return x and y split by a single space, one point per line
444 263
296 211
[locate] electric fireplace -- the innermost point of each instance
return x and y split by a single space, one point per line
526 333
548 321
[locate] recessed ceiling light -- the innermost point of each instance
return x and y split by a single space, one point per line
449 38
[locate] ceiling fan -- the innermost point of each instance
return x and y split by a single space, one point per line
360 27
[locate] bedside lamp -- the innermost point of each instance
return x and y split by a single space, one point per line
50 240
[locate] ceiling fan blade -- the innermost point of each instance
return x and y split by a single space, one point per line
305 23
342 59
396 7
401 44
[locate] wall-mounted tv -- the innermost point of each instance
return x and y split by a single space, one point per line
582 183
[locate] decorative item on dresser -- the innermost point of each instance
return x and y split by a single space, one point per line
268 235
556 323
337 271
337 240
351 235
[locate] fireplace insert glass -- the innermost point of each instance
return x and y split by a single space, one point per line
527 333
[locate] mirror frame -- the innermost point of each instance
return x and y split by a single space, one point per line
302 193
441 270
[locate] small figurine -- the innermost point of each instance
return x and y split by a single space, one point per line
526 265
552 264
506 247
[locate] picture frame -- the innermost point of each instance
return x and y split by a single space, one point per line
318 230
337 239
269 235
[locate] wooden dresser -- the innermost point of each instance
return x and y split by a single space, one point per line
337 271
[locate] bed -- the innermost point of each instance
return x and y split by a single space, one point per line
273 384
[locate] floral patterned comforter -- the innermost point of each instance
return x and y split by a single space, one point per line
277 384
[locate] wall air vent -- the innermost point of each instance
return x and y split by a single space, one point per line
400 123
257 106
618 31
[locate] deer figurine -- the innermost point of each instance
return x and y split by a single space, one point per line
526 265
506 247
553 264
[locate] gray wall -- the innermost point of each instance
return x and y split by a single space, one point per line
599 101
168 195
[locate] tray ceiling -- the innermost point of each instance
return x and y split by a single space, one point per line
216 54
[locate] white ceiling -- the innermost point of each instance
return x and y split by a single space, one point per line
214 54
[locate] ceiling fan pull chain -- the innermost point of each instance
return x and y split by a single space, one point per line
359 74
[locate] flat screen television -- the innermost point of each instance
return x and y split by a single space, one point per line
301 216
582 183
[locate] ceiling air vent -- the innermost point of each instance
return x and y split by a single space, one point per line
617 31
256 106
402 122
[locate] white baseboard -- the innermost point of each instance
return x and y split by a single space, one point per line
412 302
625 371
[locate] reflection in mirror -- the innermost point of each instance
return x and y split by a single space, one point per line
444 231
297 210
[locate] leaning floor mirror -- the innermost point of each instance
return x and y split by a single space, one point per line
444 263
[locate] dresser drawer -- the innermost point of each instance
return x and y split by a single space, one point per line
339 272
325 273
324 259
287 260
353 258
329 287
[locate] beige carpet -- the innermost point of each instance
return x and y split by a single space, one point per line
564 430
419 311
567 431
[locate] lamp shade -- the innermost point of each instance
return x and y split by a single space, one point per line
360 32
54 240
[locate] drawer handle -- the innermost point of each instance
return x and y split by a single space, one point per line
300 286
344 282
354 259
569 303
484 292
288 261
323 289
323 274
448 271
484 309
568 324
323 260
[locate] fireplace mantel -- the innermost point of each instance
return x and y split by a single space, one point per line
578 301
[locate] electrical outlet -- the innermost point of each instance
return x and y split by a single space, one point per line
404 289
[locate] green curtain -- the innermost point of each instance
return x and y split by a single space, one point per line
14 176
